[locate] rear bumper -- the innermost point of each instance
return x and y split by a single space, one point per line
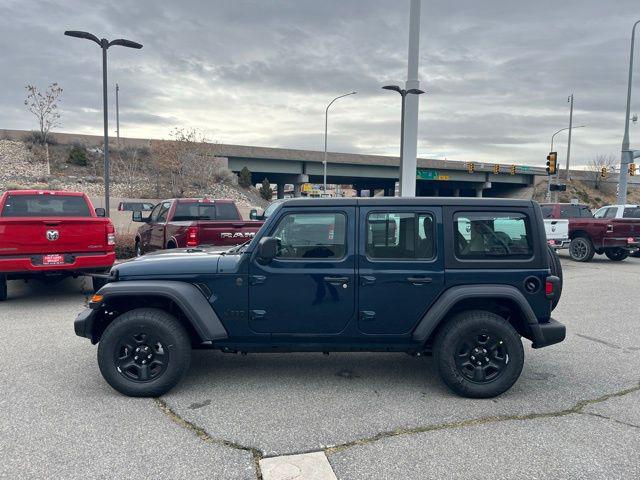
549 333
81 264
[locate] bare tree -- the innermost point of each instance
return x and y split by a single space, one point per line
44 106
600 164
128 165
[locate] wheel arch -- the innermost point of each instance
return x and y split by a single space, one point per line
184 300
579 233
504 300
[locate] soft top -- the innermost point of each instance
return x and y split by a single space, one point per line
408 201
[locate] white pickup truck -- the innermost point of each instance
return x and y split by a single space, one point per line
618 211
557 231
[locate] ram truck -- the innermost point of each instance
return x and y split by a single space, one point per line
462 279
617 238
52 234
192 222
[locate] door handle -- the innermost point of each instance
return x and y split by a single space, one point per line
419 280
258 314
336 280
257 279
367 280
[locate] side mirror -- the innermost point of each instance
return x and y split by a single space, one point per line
137 216
253 214
101 212
267 249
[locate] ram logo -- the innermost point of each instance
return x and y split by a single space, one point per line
52 235
237 235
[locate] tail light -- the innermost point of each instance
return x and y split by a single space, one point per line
551 286
111 235
192 237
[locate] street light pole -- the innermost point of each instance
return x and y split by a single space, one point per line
570 99
627 155
403 93
326 124
117 115
556 176
104 45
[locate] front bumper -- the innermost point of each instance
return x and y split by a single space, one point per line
83 324
549 333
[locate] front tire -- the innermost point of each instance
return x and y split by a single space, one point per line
616 254
144 353
478 354
581 249
3 288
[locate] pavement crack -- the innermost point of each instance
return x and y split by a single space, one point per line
576 408
615 420
203 435
597 340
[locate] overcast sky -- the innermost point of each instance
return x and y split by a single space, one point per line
497 72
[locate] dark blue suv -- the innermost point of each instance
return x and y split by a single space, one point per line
458 278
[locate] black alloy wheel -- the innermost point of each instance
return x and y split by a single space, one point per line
581 249
481 356
616 254
141 356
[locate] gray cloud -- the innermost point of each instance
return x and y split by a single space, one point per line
497 73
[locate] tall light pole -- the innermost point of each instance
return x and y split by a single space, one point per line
404 192
627 155
570 100
104 45
326 123
117 115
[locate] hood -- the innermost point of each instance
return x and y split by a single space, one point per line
172 263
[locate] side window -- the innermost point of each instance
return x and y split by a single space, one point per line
162 216
490 235
599 213
586 212
155 213
631 212
311 235
611 212
400 236
569 211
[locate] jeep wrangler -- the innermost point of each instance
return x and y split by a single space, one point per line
462 279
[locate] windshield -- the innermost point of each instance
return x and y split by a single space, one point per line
270 209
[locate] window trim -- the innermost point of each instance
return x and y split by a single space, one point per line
324 212
433 259
506 259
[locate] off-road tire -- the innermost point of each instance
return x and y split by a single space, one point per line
556 269
581 249
152 323
616 254
3 288
138 249
447 353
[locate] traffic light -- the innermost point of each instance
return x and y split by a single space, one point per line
471 167
603 172
512 170
496 169
632 169
552 162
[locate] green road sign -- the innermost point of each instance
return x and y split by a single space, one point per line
424 174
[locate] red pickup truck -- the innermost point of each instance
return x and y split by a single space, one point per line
51 234
190 222
614 237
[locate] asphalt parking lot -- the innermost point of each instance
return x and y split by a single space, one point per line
574 413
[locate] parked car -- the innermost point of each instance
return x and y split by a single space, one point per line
616 238
618 211
191 222
135 206
462 279
51 234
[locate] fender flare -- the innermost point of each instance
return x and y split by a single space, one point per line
186 296
436 314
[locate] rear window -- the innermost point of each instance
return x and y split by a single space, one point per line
191 211
631 212
547 211
400 236
491 235
45 206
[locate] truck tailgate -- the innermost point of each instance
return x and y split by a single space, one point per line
221 232
556 229
25 236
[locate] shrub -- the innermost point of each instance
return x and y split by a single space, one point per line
78 156
34 137
125 245
265 190
244 178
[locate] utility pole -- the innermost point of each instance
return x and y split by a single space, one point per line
117 115
570 100
408 160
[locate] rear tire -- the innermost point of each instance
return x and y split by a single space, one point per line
3 288
581 249
478 354
138 249
140 336
556 269
616 254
